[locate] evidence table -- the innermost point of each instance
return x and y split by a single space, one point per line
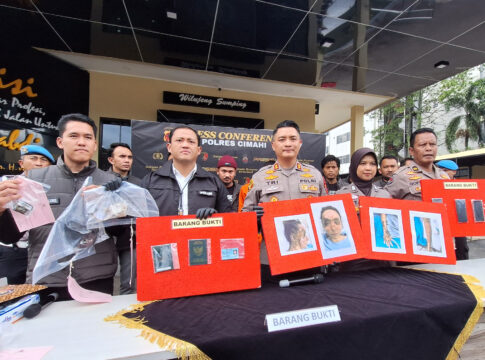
78 331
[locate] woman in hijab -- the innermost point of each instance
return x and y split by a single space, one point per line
362 170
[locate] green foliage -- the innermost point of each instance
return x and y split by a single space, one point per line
472 101
450 135
424 108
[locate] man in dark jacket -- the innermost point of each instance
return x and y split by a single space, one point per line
78 142
226 170
330 170
120 157
180 187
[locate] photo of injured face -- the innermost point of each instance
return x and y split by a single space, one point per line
333 229
295 234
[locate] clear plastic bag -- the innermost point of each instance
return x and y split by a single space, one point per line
118 207
30 192
82 224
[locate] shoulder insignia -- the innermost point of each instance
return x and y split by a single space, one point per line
251 184
306 169
298 166
273 199
410 173
271 177
418 188
415 168
270 171
444 176
306 175
417 177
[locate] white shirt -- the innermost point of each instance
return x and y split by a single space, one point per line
183 183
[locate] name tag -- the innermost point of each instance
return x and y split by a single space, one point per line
301 318
206 193
54 201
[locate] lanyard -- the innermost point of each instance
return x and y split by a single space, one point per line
180 206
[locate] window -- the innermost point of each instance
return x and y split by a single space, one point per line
112 131
344 159
343 138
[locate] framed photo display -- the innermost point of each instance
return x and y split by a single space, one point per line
405 230
306 233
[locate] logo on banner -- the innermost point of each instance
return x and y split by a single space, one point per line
16 86
166 134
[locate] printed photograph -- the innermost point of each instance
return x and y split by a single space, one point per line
333 229
478 211
387 232
295 234
427 234
165 257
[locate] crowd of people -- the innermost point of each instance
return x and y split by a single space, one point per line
182 187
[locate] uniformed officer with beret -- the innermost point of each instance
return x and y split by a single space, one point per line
287 178
405 183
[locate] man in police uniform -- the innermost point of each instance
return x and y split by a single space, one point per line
405 184
288 178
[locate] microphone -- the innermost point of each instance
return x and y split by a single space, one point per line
317 278
34 309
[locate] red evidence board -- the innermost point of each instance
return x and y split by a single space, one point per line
182 256
282 219
405 230
464 200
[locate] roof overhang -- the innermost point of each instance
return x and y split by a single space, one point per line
335 105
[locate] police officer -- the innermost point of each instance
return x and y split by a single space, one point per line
180 187
288 178
405 184
34 157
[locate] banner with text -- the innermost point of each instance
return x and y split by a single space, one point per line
250 147
35 91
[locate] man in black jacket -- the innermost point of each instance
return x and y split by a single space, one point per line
180 186
78 142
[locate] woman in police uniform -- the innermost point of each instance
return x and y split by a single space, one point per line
362 170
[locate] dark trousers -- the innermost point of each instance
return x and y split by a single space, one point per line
101 285
13 264
461 248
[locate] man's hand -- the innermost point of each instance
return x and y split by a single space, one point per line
204 213
9 191
259 210
113 184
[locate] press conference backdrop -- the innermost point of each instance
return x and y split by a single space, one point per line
250 147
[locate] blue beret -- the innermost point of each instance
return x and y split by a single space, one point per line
447 164
36 149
